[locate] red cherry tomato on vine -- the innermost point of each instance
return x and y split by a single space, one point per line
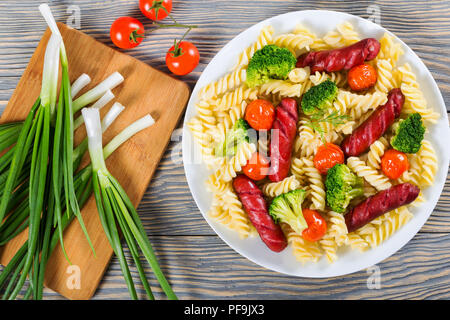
394 163
155 9
327 156
182 58
257 167
260 114
317 226
127 32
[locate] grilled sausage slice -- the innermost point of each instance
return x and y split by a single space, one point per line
340 59
375 126
380 203
255 205
284 130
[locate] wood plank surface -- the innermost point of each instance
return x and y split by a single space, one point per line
198 263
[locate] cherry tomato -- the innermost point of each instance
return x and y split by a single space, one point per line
257 167
394 163
155 9
182 58
260 114
127 32
317 225
362 77
327 156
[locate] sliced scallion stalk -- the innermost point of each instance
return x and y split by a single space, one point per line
100 103
78 85
96 93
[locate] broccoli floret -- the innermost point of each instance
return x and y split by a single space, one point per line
318 98
287 208
408 134
342 185
233 139
270 62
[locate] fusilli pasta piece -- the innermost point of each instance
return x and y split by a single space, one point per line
274 189
337 227
218 213
243 154
299 75
235 97
296 43
228 82
282 87
337 77
428 162
344 36
316 185
385 79
376 151
355 241
229 118
205 142
414 99
329 246
379 181
390 50
205 112
239 218
264 38
304 251
389 226
216 185
362 104
297 169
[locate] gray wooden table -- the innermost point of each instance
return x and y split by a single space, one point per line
198 264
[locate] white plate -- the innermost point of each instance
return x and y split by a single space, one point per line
349 261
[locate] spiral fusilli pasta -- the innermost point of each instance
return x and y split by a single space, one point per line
303 250
235 97
282 87
316 184
299 75
228 82
294 42
398 219
414 99
274 189
372 176
377 150
243 154
264 38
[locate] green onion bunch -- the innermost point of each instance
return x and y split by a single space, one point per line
117 213
42 186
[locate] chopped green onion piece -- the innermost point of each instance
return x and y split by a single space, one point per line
78 85
100 103
96 93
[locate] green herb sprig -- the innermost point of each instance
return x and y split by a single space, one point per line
334 118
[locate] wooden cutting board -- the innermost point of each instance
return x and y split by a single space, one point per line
145 90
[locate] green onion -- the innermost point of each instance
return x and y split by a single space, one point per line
83 186
100 103
78 85
39 158
94 94
116 210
